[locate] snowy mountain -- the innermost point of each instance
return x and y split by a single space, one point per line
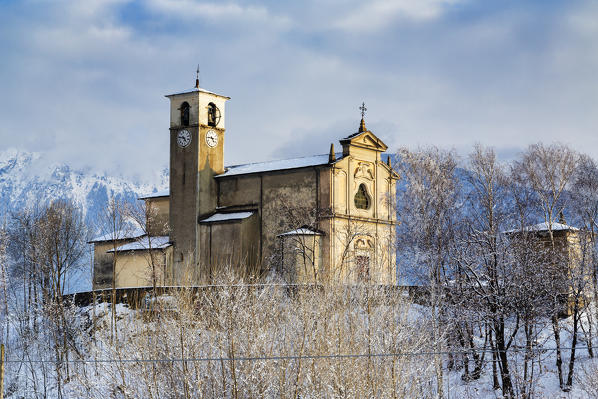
28 179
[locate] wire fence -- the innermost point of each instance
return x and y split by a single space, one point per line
296 357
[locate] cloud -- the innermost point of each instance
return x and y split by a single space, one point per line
84 81
378 14
216 11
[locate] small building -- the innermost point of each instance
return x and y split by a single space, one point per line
569 261
315 219
566 239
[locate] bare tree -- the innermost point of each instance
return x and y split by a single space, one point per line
50 245
584 194
579 277
4 282
484 262
116 227
549 171
584 198
429 213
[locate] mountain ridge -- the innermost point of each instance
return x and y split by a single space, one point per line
28 180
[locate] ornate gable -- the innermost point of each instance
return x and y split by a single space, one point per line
363 139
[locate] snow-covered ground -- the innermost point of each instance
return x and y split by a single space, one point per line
546 381
264 327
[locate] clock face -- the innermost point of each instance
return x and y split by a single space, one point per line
183 138
211 138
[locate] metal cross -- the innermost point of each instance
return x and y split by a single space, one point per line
363 109
197 77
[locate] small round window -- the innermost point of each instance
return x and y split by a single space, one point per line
362 200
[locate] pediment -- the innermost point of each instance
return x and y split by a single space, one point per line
365 139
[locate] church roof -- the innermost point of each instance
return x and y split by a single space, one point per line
544 227
159 242
302 231
118 235
157 194
197 89
225 217
282 164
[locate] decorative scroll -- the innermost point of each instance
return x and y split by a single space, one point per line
364 170
364 243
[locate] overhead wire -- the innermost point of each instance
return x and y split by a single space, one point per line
292 357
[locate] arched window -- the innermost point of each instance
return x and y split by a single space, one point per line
185 114
362 200
213 114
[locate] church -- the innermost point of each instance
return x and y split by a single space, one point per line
326 218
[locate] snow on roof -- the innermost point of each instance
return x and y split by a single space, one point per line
197 89
159 242
302 231
161 193
352 135
119 235
544 227
223 217
281 164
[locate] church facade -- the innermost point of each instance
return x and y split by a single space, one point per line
317 219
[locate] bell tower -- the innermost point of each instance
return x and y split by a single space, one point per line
197 126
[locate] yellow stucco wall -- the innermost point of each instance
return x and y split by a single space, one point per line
228 244
103 262
198 101
192 169
282 200
138 268
362 232
301 261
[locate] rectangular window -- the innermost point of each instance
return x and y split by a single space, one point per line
363 267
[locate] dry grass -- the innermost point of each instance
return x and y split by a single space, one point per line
237 322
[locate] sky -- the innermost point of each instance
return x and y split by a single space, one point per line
84 81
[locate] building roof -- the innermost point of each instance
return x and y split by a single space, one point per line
258 167
157 194
302 231
197 89
225 217
370 140
282 164
119 235
544 227
159 242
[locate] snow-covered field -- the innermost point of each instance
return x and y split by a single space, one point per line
246 342
546 381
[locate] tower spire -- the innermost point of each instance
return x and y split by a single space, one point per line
197 77
362 123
